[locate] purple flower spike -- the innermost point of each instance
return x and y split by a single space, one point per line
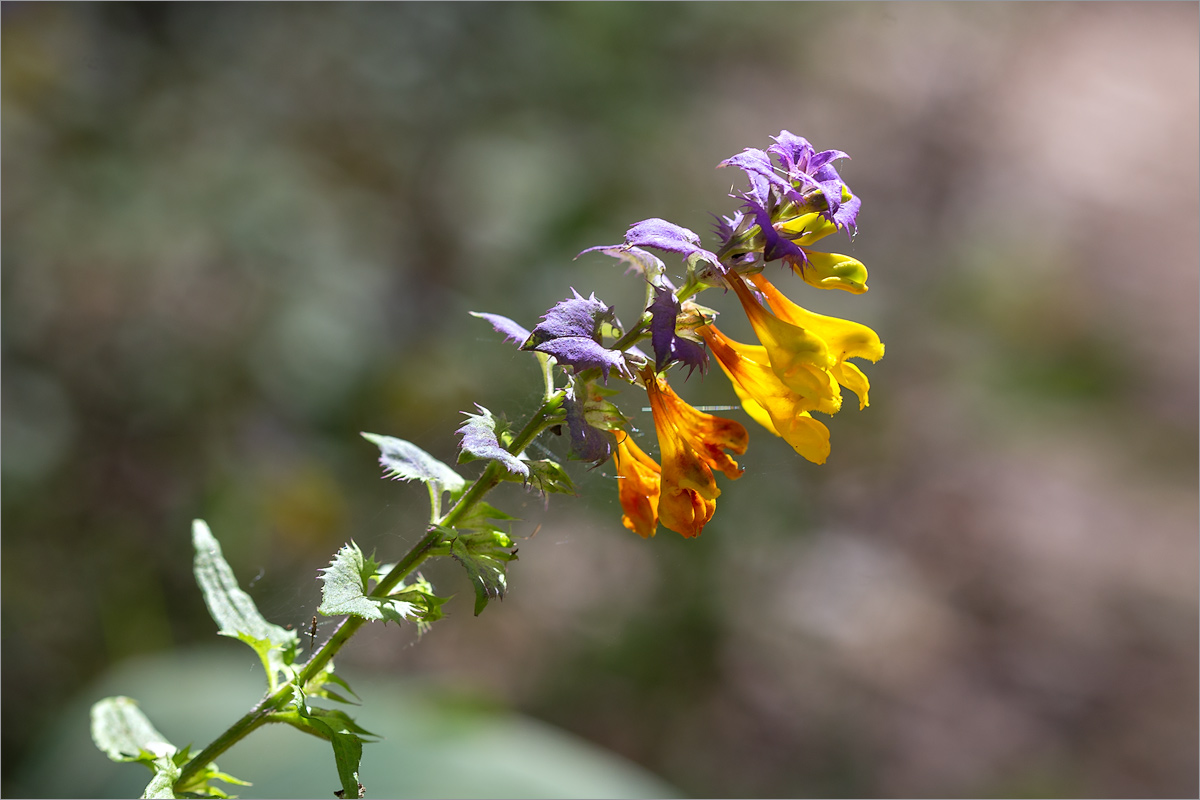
792 151
815 170
669 346
512 331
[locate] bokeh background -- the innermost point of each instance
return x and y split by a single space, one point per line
234 236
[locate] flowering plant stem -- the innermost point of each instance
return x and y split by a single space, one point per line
799 367
546 416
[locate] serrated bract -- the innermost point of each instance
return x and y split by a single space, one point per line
570 332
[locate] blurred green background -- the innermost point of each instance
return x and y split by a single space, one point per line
234 236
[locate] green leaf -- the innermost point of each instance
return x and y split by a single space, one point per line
405 461
318 686
427 607
198 785
166 772
346 592
345 579
549 477
340 730
234 611
479 440
123 733
479 515
485 558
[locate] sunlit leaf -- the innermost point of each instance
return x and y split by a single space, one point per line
166 772
406 462
549 477
480 516
234 611
479 441
346 591
124 733
485 557
340 730
318 686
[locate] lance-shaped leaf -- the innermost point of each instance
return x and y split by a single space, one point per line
318 686
479 441
485 556
198 784
124 733
234 611
340 730
406 462
346 590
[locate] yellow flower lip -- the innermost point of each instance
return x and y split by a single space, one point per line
806 228
767 400
799 367
799 358
831 271
843 338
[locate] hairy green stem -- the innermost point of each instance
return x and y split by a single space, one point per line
266 709
633 335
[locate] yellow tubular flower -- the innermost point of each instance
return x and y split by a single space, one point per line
822 270
637 487
767 400
843 338
692 445
799 357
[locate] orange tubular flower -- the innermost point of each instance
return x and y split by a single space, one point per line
637 487
692 445
767 400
